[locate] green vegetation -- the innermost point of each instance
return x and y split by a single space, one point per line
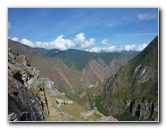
100 107
93 117
54 113
124 87
153 94
148 57
78 59
89 92
123 94
63 87
126 116
74 110
42 51
62 97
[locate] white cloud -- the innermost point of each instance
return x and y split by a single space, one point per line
134 47
88 43
118 49
141 47
147 16
129 47
80 38
105 41
94 49
110 49
15 38
81 41
59 43
105 49
27 42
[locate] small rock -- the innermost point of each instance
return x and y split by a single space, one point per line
12 117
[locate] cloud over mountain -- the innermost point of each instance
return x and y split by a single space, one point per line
60 42
80 39
118 49
80 42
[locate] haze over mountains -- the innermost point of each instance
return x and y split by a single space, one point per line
118 84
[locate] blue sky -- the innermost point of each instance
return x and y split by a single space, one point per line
90 29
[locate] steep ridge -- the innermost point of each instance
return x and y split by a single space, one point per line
132 93
95 71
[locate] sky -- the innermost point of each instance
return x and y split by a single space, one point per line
89 29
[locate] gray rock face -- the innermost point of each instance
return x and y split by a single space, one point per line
12 117
20 104
144 73
26 95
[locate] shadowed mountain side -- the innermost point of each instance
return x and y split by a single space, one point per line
116 63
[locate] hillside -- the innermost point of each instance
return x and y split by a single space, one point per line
132 93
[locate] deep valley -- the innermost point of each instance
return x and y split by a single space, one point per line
75 85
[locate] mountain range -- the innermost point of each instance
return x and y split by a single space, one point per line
122 85
72 70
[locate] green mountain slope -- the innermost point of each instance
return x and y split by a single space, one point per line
79 59
132 93
42 51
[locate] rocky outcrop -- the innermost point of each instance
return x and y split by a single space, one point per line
12 117
27 100
23 103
